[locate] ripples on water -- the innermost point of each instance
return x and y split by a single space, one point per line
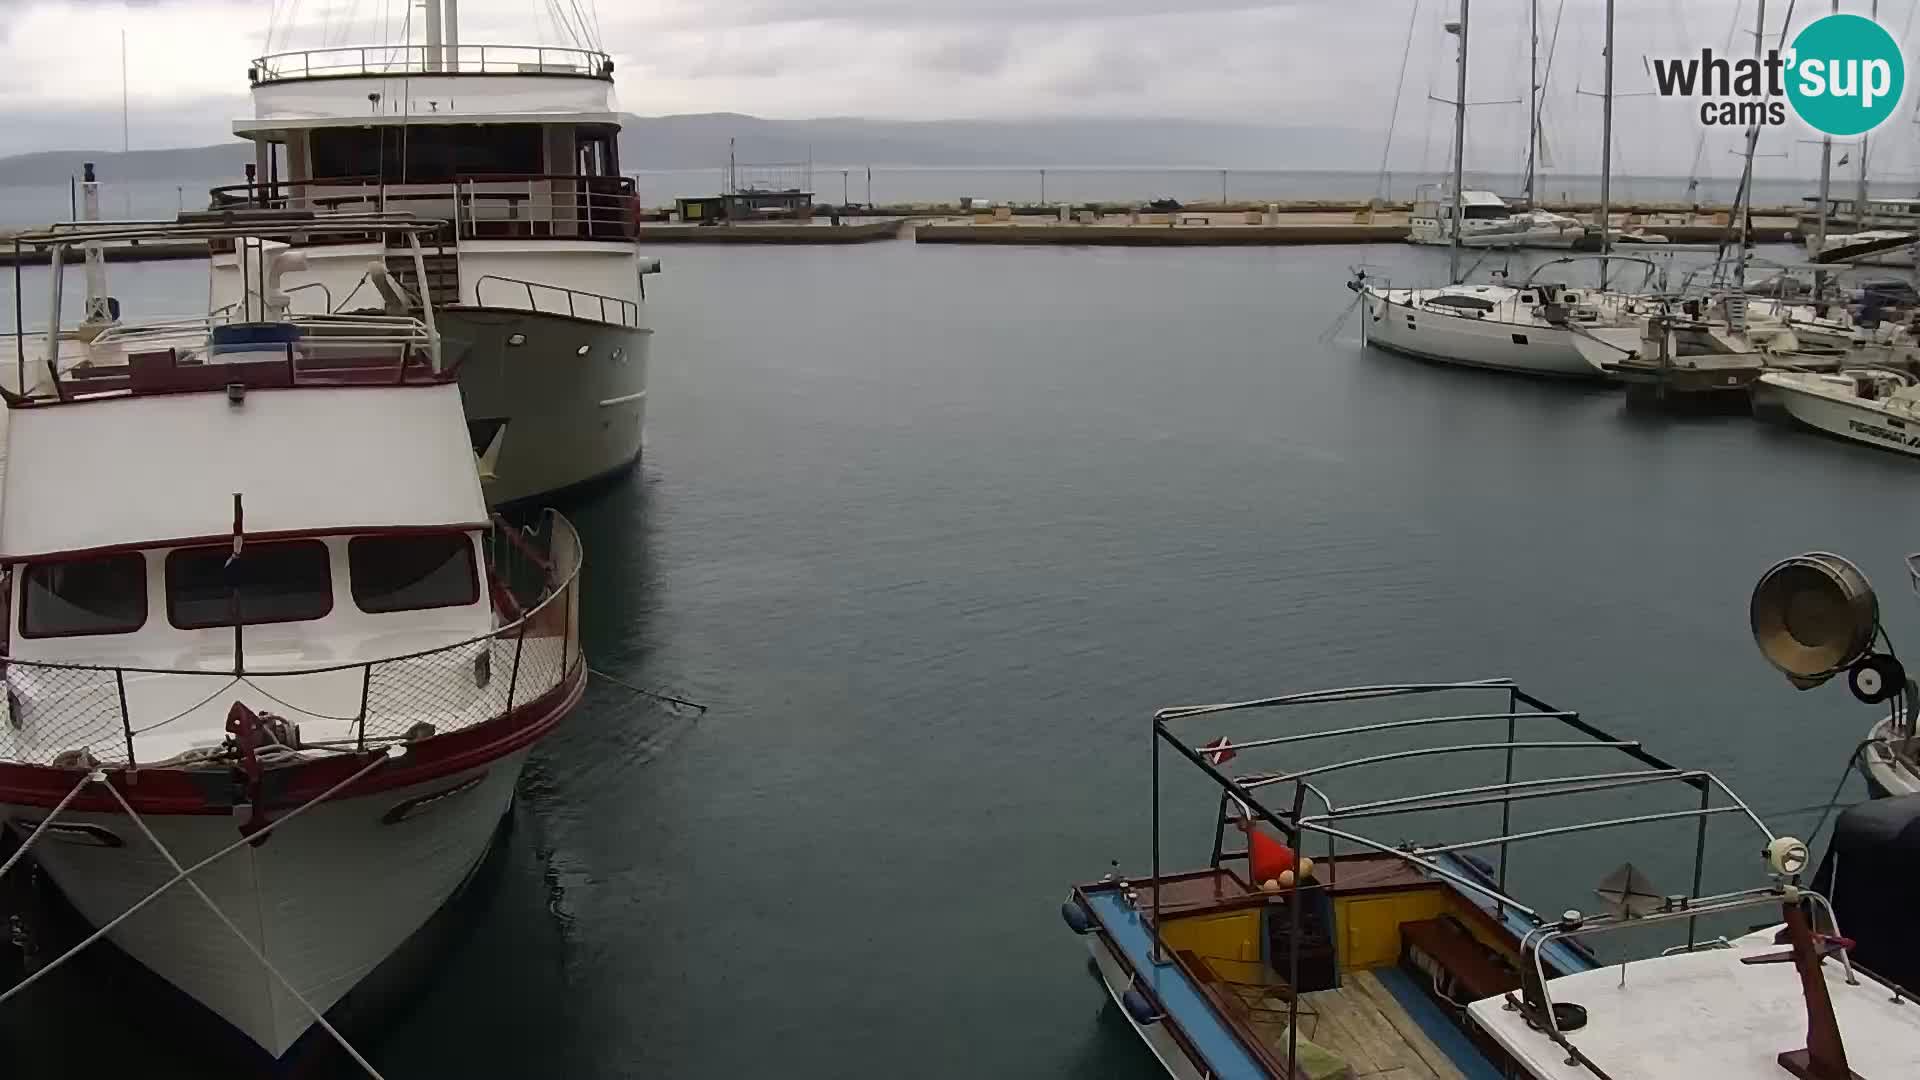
934 530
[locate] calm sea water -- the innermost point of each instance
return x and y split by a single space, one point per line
933 530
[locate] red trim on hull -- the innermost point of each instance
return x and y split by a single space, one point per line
162 791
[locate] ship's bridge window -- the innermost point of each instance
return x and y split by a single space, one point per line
426 153
281 581
1481 213
411 573
104 595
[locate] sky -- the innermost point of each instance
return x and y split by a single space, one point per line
1317 63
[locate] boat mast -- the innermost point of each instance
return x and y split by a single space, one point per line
1533 92
1459 149
430 58
1745 199
1860 189
1826 188
1606 153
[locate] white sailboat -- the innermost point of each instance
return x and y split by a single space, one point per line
1532 329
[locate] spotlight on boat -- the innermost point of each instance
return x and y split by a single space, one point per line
1816 615
1787 856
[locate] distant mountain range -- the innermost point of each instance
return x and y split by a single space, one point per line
700 141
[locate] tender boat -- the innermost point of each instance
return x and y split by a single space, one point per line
1487 222
260 629
1394 952
537 274
1877 407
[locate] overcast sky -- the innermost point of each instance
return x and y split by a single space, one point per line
1287 62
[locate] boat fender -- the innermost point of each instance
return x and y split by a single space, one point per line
1077 917
1141 1008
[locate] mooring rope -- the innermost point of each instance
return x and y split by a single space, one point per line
195 868
668 699
48 820
318 1018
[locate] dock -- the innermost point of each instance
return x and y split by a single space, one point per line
774 232
1212 227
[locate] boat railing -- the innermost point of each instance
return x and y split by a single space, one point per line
1568 734
558 300
88 715
1298 799
494 206
382 60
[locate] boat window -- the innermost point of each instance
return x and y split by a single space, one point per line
1481 213
106 595
1471 303
408 573
286 581
432 154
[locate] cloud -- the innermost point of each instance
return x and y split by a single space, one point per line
1327 63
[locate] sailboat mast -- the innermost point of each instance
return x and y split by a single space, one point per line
1459 150
1606 154
1533 93
1745 200
1860 190
1826 187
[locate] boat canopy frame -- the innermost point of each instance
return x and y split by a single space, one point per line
1292 818
58 239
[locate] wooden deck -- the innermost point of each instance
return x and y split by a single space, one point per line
1361 1022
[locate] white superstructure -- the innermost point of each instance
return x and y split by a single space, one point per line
252 581
537 272
1487 222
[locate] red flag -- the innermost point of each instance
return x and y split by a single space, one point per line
1218 752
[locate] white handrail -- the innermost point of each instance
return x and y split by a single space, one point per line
355 60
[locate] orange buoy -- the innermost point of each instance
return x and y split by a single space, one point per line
1270 857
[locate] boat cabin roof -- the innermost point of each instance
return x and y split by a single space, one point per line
145 471
1705 1013
419 85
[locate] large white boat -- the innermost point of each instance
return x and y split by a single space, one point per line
537 275
1486 221
1486 326
260 630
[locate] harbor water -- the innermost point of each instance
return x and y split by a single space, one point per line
933 531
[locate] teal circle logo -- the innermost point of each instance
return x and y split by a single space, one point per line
1845 75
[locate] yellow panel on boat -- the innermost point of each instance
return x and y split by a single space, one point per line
1370 925
1231 935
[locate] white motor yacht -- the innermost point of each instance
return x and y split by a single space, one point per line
1487 222
537 273
279 642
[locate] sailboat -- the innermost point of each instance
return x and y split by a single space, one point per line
1534 328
